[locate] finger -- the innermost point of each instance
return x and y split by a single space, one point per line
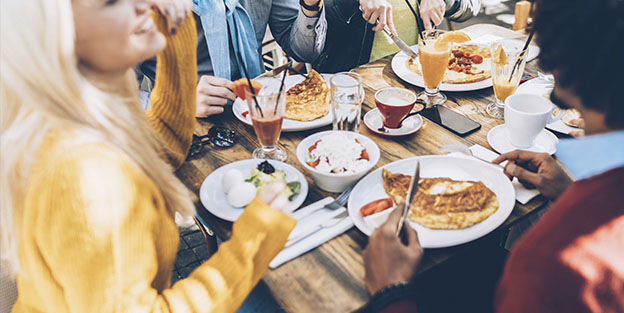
221 92
390 225
215 81
381 21
205 100
281 204
577 133
526 184
390 22
373 18
180 14
516 155
272 191
522 174
366 14
427 22
206 111
437 18
412 236
170 18
577 122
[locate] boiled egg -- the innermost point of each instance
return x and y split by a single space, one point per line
231 178
241 194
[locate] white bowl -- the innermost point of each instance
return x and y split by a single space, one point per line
337 182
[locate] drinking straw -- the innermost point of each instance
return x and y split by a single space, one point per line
522 53
419 21
297 71
251 88
279 93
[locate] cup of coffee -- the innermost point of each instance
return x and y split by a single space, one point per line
394 104
525 117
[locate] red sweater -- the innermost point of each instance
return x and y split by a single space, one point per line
573 259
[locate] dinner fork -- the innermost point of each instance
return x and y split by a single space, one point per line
334 205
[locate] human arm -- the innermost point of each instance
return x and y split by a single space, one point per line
172 101
536 170
389 266
300 36
109 243
432 12
213 94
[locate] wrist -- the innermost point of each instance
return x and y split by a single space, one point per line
311 8
389 295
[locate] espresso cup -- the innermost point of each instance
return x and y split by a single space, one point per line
525 117
394 104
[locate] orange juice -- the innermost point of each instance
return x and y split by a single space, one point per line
433 62
503 88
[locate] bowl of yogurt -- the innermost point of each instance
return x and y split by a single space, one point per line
337 159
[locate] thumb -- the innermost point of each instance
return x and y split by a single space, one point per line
522 174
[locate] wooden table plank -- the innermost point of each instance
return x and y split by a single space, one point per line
331 277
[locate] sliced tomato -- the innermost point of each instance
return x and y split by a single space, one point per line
314 164
376 206
364 155
312 147
244 114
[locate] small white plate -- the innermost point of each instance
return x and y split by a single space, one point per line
214 199
498 138
240 107
374 121
371 188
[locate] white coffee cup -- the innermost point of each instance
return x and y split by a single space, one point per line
525 117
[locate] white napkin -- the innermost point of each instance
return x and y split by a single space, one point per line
523 195
316 239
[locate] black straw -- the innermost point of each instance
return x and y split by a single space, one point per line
297 71
522 54
279 93
251 88
419 21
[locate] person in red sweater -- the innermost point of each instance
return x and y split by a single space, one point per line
572 260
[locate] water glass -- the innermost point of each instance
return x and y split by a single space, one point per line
347 95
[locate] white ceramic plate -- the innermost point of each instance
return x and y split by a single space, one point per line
539 87
371 188
498 138
374 121
213 197
401 70
240 106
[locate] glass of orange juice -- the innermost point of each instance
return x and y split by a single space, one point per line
503 81
434 56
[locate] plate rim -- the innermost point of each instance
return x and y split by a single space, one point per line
366 229
418 116
316 123
501 126
299 199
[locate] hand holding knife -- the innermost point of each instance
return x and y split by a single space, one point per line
409 197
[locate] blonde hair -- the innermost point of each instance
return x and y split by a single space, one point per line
43 89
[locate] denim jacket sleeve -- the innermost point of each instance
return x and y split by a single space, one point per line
300 36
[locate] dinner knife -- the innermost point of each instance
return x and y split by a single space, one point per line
400 43
411 191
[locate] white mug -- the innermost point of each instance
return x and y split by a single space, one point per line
525 117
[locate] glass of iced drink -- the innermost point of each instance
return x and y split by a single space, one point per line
266 109
347 95
503 81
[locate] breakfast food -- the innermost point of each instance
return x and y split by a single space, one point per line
307 100
467 64
240 191
571 118
450 37
444 203
240 85
376 206
336 153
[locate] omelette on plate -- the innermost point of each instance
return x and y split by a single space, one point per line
443 203
307 100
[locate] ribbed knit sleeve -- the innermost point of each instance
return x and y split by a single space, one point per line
172 101
97 238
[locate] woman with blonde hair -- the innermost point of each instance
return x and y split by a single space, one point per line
88 190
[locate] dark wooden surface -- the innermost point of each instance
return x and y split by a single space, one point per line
331 277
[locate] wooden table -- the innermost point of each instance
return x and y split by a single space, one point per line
331 277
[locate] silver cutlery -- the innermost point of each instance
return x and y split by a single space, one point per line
465 150
326 224
411 192
334 205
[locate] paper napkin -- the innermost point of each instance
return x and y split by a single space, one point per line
315 239
523 195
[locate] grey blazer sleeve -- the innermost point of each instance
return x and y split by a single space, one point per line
301 37
461 10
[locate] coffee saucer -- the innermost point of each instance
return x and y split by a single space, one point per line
374 122
498 138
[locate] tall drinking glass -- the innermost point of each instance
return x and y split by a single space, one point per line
347 95
503 81
267 113
434 59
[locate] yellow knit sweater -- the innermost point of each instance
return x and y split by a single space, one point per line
96 236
